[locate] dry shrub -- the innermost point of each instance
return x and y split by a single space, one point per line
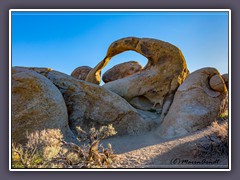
47 149
215 144
40 148
98 156
221 131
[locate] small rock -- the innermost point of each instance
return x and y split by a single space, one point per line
121 70
226 79
81 72
217 83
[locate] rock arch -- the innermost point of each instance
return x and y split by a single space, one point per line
154 87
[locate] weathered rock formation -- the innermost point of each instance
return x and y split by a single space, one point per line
197 103
154 87
81 72
226 79
36 105
121 70
91 105
134 99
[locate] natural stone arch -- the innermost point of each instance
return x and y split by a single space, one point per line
155 85
144 46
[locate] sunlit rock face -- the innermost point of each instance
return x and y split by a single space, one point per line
160 97
90 105
197 103
36 105
154 86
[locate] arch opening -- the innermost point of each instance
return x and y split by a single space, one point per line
124 57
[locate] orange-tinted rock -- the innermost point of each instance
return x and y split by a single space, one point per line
81 72
217 83
121 70
154 87
90 105
36 105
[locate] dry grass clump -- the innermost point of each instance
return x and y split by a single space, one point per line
215 144
47 149
221 131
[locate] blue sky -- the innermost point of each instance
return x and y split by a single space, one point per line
66 40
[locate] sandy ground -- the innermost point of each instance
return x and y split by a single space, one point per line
150 151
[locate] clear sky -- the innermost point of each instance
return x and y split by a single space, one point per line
65 40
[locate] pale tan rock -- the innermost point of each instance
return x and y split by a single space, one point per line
121 70
154 87
217 83
92 105
195 106
36 105
81 72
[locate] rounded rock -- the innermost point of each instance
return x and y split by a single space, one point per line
90 106
217 83
81 72
36 105
121 70
195 106
226 79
